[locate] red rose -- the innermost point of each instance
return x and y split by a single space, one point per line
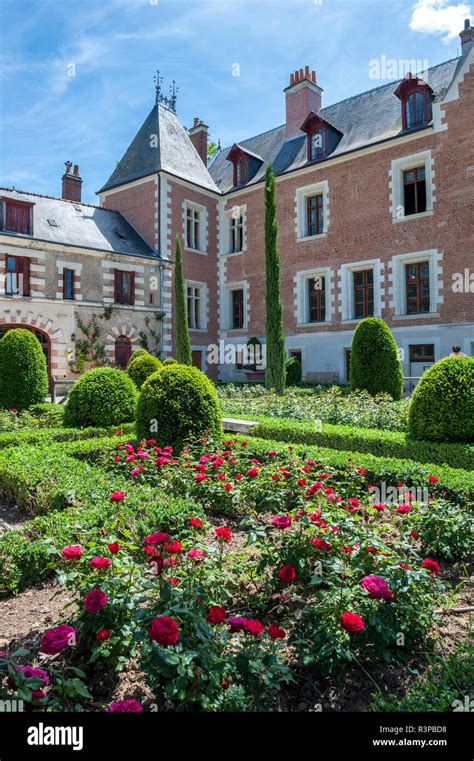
275 632
223 533
164 630
57 639
431 566
195 522
125 706
102 635
174 547
301 482
73 552
253 472
281 521
114 547
225 684
200 477
95 600
287 574
433 479
117 496
320 544
196 554
352 622
254 627
217 614
158 537
100 562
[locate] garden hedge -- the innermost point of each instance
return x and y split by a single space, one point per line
45 436
23 371
103 396
176 403
140 368
442 408
375 365
370 440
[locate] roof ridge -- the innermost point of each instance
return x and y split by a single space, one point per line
56 198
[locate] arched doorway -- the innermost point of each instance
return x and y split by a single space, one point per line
123 351
42 337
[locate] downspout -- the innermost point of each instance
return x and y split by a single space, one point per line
158 250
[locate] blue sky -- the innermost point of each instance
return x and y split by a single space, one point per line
113 47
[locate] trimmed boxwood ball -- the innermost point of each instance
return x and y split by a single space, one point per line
177 403
442 408
23 371
137 353
170 361
375 365
101 397
293 372
142 367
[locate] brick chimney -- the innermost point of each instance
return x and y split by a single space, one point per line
303 95
198 134
71 183
467 37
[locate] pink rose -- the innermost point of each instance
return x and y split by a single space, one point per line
95 600
57 639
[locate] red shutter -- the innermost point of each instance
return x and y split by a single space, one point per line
24 268
132 288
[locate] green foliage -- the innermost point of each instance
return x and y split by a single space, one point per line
23 371
142 367
183 344
442 407
445 530
371 440
275 337
90 349
103 396
293 372
170 361
176 404
138 353
375 365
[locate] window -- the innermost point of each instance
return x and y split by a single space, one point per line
194 307
238 308
193 228
417 287
315 215
241 171
318 144
236 227
363 293
316 299
16 217
124 287
17 276
123 351
414 110
414 190
68 284
416 97
422 353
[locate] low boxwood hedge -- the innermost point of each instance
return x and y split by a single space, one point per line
44 436
370 440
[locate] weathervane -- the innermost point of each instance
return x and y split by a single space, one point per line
167 100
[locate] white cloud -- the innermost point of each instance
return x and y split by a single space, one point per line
437 17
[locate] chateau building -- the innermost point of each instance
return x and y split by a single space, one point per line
375 205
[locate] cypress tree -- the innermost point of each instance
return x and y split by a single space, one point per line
183 344
275 369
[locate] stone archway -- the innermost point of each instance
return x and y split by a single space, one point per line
50 336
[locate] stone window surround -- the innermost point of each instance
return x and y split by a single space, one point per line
204 304
317 188
236 286
301 295
397 290
77 267
402 164
346 288
203 226
228 213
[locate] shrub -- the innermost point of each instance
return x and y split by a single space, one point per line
142 367
177 403
138 353
23 372
375 365
442 407
293 372
102 396
170 361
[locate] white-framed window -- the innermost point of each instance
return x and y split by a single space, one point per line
361 289
196 305
412 186
195 226
314 302
235 229
312 211
416 287
237 306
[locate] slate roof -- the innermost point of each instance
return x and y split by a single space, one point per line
174 153
80 225
363 119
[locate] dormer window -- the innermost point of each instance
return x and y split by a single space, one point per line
416 97
245 164
318 144
241 172
16 216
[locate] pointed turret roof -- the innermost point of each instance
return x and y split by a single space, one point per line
161 144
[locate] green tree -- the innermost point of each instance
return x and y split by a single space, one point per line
275 371
183 344
375 365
